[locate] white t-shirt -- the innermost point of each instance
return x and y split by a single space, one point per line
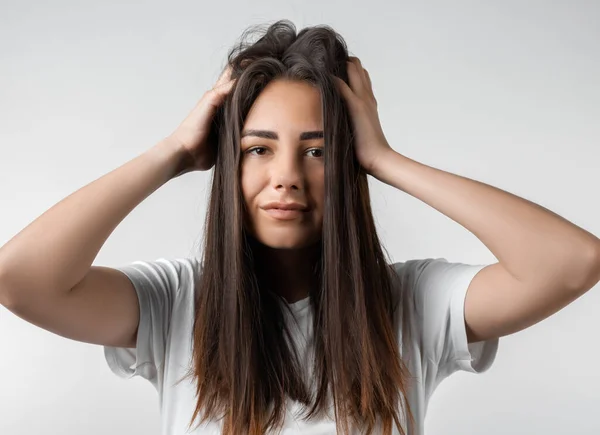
163 354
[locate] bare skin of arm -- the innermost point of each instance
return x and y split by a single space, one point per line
46 272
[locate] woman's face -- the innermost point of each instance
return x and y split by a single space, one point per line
286 164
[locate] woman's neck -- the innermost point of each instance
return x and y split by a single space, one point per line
289 272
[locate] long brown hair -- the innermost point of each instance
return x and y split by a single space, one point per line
243 363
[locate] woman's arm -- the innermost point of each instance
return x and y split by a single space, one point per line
54 252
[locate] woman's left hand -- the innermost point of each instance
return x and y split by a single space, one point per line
370 143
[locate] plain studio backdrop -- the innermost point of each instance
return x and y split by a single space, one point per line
506 93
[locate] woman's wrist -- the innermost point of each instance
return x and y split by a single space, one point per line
171 153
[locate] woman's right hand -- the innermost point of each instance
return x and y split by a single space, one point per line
191 136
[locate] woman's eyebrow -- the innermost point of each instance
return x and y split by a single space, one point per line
268 134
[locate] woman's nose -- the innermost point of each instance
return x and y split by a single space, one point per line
287 172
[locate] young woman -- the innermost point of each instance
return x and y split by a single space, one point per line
294 320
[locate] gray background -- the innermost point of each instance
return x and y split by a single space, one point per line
503 92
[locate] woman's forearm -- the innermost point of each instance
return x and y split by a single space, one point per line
532 242
54 252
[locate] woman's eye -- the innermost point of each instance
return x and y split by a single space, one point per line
254 149
318 150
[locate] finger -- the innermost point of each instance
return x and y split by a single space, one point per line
224 83
370 87
361 69
364 78
355 78
219 92
225 76
345 90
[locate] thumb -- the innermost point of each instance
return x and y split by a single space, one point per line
345 90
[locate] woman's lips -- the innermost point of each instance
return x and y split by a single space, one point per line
278 213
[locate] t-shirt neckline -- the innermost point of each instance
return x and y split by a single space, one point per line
299 304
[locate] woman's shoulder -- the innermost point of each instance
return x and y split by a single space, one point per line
171 274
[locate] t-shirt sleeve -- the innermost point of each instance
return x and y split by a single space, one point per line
157 284
438 290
